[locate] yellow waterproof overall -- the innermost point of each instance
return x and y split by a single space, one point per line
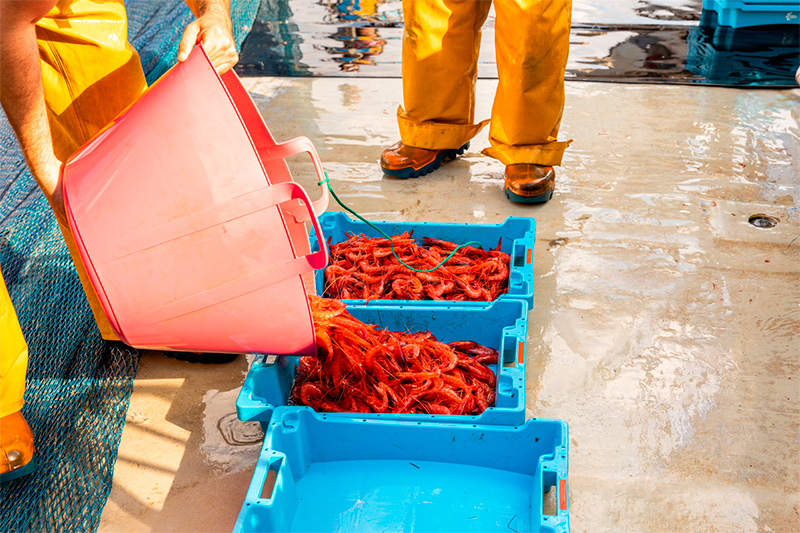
13 356
440 56
89 74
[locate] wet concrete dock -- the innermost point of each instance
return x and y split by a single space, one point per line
666 324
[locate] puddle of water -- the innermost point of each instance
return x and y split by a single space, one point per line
675 41
228 443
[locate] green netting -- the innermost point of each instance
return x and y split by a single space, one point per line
79 386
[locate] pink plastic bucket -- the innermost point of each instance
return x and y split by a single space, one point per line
189 224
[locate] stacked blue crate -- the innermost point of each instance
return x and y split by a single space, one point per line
501 325
515 236
744 13
750 55
350 471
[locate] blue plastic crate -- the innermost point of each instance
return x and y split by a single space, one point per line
743 56
325 474
501 325
769 41
740 14
517 234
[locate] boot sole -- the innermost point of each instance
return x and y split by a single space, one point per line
19 472
540 199
409 172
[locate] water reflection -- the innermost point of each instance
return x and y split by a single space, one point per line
664 12
673 41
630 53
358 43
356 47
744 56
377 12
703 54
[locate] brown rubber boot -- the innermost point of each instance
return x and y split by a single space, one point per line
17 453
529 184
403 161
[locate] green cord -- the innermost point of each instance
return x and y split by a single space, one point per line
391 243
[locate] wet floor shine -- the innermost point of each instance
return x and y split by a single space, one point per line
674 41
665 325
665 329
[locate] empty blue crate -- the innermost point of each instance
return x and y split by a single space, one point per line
740 14
323 474
502 325
516 237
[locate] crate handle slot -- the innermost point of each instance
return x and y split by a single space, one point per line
518 255
558 504
269 481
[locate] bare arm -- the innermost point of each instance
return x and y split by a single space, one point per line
21 93
213 28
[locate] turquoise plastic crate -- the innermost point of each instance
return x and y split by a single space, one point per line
501 325
740 14
743 56
517 233
324 474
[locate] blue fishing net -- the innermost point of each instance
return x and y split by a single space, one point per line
78 386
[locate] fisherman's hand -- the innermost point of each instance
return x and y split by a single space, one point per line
214 31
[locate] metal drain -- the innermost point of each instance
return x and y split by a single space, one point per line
763 221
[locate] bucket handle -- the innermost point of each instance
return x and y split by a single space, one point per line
296 146
320 258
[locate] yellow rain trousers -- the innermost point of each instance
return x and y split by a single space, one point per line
440 55
13 357
90 73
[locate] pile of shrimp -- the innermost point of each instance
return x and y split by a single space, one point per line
361 368
364 268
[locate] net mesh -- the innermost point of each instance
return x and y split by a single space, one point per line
78 386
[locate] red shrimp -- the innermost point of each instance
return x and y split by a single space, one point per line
448 358
436 409
455 381
417 376
444 245
394 399
480 399
405 404
369 357
436 291
502 270
445 396
378 405
324 343
361 368
483 373
310 393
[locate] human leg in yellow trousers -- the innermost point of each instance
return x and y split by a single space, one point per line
90 73
440 54
17 453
